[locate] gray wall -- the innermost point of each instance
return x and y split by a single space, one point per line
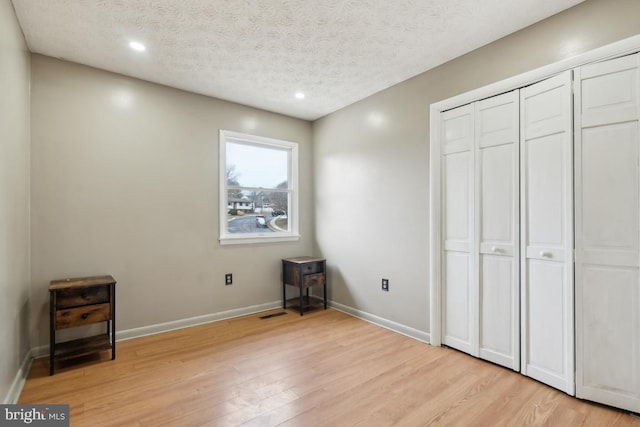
14 198
371 160
124 179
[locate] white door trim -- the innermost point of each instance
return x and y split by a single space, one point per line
622 47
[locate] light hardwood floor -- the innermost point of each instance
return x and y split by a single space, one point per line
323 369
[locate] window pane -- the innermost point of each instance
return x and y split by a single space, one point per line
253 166
257 211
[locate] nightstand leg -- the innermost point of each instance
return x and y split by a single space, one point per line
301 301
300 293
284 295
284 286
324 293
52 335
113 322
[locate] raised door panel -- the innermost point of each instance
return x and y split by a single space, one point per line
495 120
547 327
458 178
609 92
498 188
498 319
546 189
497 218
610 353
609 205
457 318
546 311
458 290
607 232
457 125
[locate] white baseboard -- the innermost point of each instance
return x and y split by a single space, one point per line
178 324
18 382
193 321
380 321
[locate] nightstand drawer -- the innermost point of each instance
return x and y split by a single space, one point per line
67 298
313 280
83 315
312 267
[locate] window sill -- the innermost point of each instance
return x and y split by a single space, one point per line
258 239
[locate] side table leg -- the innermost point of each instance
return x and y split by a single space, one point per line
324 283
300 293
284 286
52 335
324 293
113 322
284 294
301 301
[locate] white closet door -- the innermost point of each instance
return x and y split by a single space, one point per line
547 232
607 226
459 291
497 228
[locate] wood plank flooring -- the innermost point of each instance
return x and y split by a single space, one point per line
322 369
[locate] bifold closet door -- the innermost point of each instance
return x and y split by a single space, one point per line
459 290
547 232
480 165
497 228
607 114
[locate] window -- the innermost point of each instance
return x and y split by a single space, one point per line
258 189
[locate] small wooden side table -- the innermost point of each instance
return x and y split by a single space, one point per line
79 302
304 273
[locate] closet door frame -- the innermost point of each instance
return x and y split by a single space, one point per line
623 47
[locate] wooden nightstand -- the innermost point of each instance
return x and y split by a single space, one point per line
304 273
79 302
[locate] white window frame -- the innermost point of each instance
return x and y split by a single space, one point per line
227 238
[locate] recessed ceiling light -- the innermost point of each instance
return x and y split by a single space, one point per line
137 46
299 95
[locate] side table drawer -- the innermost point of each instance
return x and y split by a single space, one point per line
83 315
313 280
66 298
312 267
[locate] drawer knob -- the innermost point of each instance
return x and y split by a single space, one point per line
83 295
545 254
85 315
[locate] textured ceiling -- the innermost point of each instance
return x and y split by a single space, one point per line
261 52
